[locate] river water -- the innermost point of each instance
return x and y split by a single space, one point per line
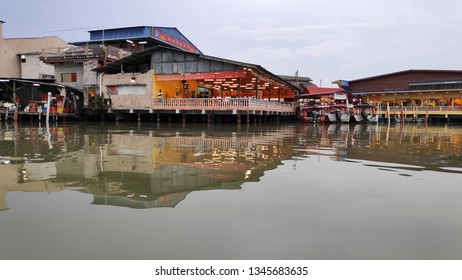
221 191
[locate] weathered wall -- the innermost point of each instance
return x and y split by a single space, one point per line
69 67
10 48
130 101
90 77
34 68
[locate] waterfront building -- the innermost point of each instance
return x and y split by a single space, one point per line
414 93
20 57
29 97
73 67
134 63
192 83
25 80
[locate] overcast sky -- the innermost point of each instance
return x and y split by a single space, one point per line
324 39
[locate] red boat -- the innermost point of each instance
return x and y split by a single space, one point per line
312 113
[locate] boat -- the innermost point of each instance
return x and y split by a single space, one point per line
364 113
338 113
339 108
312 113
325 104
331 115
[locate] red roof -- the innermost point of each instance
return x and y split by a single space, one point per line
408 71
312 91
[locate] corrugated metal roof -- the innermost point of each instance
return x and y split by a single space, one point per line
145 57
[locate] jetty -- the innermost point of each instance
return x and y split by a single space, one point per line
249 108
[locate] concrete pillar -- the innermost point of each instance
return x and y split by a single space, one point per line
1 28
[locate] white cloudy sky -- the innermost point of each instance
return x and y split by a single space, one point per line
324 39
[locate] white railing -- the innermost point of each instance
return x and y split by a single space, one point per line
258 104
424 108
222 104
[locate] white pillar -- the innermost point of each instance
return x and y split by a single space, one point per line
48 107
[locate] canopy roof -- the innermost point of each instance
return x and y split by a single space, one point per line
206 67
320 91
16 84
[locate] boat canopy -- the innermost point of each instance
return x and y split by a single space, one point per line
311 91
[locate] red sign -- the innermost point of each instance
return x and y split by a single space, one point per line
202 76
173 40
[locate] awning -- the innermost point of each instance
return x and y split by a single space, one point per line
320 91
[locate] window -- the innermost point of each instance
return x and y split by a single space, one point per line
439 85
46 76
131 90
69 77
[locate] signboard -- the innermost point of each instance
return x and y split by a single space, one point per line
340 96
344 84
168 38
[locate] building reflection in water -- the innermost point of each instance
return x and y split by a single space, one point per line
29 158
404 147
144 171
139 168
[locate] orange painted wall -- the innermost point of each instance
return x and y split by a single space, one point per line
173 89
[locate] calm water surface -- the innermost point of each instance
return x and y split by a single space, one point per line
271 191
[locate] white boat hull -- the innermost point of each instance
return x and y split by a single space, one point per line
345 117
332 117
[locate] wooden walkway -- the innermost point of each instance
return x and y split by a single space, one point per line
422 110
6 115
214 105
436 112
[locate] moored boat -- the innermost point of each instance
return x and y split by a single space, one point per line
364 113
340 106
325 104
312 114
